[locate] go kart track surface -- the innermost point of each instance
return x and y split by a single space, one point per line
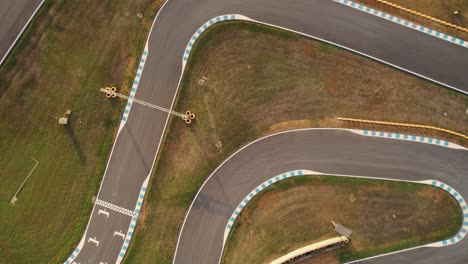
14 17
138 140
330 151
111 225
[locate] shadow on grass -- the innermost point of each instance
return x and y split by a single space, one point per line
76 144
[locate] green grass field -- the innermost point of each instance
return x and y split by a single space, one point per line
71 49
264 230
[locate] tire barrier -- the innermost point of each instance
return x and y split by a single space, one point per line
188 117
309 250
111 92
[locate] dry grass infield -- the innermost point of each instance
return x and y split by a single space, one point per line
384 216
262 80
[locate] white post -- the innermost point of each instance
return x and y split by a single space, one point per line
13 200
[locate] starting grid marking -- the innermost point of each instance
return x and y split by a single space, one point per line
128 236
132 225
204 27
257 190
117 208
462 203
404 22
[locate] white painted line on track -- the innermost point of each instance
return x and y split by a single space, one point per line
119 233
116 208
127 240
93 240
104 213
121 125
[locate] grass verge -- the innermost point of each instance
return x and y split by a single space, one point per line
71 49
384 215
255 88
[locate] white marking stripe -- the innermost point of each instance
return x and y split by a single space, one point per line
119 234
94 241
116 208
104 213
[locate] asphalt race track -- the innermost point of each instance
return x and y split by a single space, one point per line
137 143
328 151
14 15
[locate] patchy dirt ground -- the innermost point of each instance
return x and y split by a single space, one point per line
383 216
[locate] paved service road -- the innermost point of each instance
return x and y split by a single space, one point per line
137 143
328 151
14 15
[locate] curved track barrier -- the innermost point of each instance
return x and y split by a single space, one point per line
402 125
315 248
416 13
404 22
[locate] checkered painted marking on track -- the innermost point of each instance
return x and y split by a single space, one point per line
116 208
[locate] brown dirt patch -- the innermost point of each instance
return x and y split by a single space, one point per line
383 216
